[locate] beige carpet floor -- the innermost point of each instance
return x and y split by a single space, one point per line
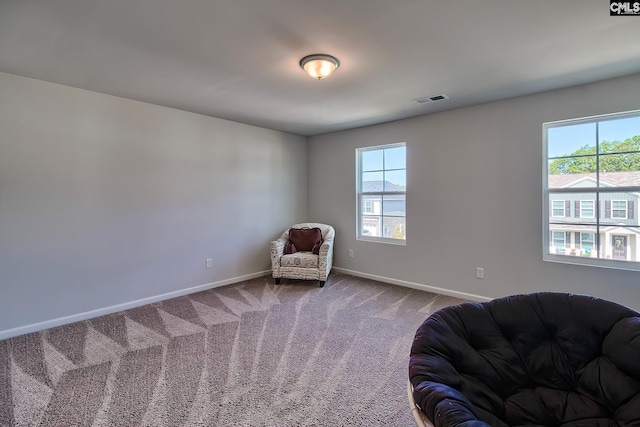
248 354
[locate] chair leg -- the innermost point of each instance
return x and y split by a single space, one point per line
277 281
322 283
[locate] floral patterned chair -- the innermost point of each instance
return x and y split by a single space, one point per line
303 264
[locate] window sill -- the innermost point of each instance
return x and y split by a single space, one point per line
593 262
388 241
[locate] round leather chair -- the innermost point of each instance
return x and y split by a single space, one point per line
544 359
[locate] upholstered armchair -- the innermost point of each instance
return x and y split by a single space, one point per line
305 264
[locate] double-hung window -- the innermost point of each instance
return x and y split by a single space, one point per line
381 193
586 242
587 209
592 166
619 209
558 208
559 240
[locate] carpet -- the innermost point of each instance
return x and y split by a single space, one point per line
248 354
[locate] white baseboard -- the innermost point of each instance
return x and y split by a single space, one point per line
8 333
21 330
420 286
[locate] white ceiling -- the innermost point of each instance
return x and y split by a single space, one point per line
238 59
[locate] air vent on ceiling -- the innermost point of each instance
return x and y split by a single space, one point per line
434 98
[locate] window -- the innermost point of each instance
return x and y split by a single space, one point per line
558 208
586 209
593 166
586 241
381 193
367 206
559 240
619 209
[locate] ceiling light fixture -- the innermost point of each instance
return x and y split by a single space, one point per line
319 65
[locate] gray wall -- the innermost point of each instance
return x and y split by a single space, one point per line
106 201
474 196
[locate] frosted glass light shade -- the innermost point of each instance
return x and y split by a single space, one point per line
319 66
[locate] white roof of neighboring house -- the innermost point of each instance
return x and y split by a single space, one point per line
378 186
614 179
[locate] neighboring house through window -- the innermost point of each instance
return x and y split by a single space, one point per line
592 167
381 193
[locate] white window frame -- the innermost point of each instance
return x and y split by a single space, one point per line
625 210
597 259
553 208
592 209
360 194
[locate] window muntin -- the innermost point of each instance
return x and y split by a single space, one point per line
381 193
593 164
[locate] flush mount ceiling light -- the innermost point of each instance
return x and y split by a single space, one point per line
319 66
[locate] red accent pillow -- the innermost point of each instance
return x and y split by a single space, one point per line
304 239
290 248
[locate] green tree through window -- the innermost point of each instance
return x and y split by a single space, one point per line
615 156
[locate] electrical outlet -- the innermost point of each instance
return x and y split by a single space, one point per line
350 253
209 262
479 273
